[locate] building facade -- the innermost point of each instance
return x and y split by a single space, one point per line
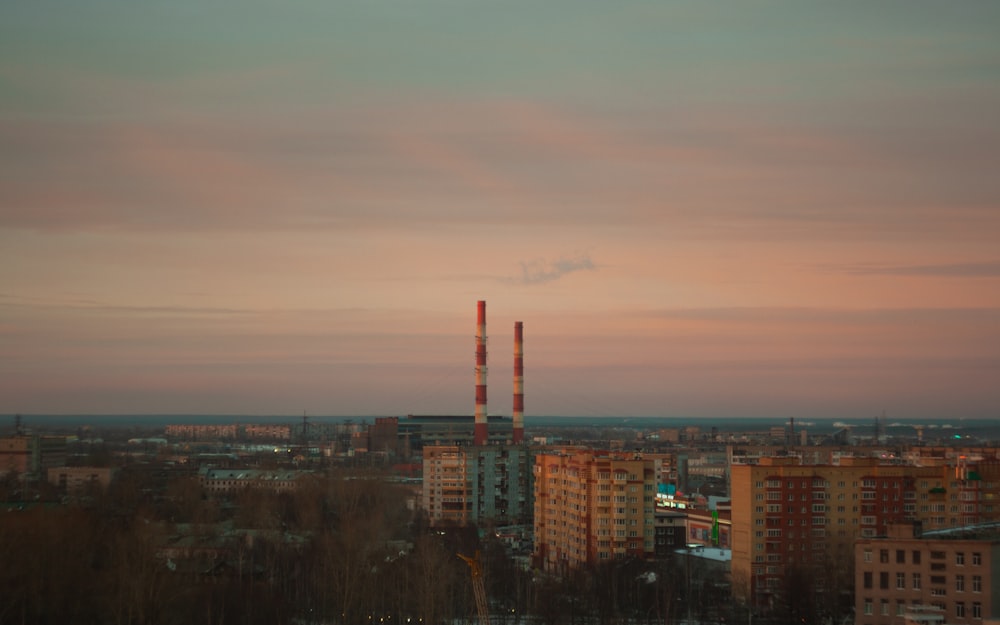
949 572
30 455
78 480
592 507
789 517
477 485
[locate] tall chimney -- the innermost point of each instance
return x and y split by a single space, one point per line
518 414
481 433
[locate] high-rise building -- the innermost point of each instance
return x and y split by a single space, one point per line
477 485
792 519
592 507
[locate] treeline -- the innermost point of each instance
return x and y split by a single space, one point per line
341 549
345 548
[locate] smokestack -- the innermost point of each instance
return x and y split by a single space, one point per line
481 433
518 413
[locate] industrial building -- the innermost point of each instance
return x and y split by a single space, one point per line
483 474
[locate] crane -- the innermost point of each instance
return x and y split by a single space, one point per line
478 587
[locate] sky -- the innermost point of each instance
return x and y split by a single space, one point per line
697 209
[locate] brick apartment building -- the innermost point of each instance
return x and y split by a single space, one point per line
949 572
792 517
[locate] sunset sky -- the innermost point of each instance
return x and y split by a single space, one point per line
701 209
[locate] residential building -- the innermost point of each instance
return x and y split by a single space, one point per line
792 517
592 507
478 485
949 572
30 455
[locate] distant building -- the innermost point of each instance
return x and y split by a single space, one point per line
945 576
191 431
384 436
30 455
424 430
268 432
232 481
470 485
77 480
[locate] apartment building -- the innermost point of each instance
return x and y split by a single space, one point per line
949 572
592 507
789 516
30 455
476 485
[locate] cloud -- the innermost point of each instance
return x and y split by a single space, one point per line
989 269
542 271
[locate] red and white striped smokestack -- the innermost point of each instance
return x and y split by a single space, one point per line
518 414
480 435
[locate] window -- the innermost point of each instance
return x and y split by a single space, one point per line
960 609
900 581
868 555
977 559
868 607
883 580
977 610
959 558
868 580
885 607
916 557
900 556
959 583
916 581
977 583
883 556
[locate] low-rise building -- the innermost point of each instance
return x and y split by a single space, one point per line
77 480
231 481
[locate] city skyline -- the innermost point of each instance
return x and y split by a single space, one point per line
695 210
